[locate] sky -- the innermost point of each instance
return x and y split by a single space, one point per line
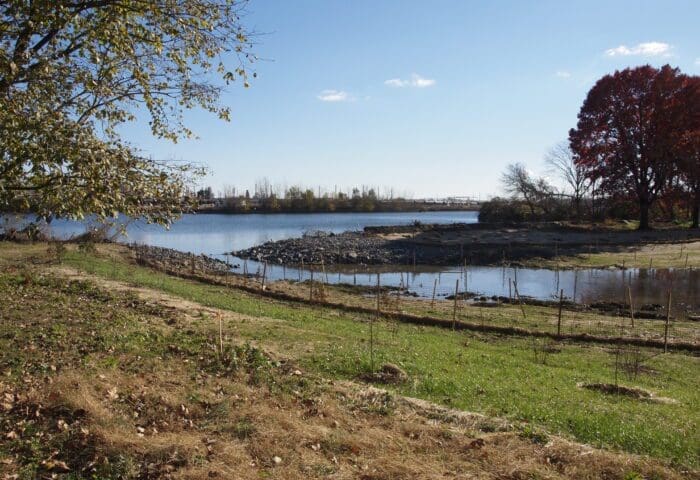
430 98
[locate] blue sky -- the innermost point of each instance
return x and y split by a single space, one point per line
432 98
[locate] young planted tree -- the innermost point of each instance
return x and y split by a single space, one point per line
72 71
626 130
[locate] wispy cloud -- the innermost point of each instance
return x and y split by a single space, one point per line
646 49
334 96
697 61
415 81
562 74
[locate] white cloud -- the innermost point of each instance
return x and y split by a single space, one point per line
646 49
697 61
415 81
562 74
334 96
396 82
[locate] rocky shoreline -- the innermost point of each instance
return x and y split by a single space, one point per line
179 261
348 248
453 244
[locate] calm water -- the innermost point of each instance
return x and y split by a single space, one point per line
215 234
585 286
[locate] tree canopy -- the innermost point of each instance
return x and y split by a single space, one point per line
629 131
72 71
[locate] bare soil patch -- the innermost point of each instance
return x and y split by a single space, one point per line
632 392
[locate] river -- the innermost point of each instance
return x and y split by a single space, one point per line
214 234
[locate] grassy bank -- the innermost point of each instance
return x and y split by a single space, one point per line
667 255
498 376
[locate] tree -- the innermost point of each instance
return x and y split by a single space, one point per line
205 194
688 146
689 164
560 161
72 71
518 183
625 133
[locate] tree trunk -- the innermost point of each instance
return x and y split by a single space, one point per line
644 215
696 210
577 206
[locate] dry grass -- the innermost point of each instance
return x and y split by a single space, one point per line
172 427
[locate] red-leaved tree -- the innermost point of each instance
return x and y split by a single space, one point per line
626 131
688 147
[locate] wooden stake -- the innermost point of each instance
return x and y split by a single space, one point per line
378 295
454 310
510 291
221 334
311 286
668 319
561 302
432 303
629 297
262 284
228 269
371 329
517 295
398 299
466 277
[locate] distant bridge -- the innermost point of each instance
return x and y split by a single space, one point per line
461 200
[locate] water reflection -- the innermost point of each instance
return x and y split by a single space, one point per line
215 234
648 286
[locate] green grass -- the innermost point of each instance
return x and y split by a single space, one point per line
488 374
663 255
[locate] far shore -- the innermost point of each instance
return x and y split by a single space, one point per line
225 211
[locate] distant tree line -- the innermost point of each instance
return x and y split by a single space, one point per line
267 197
635 151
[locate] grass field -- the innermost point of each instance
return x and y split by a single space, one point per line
498 376
663 255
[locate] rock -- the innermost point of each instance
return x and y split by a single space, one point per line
276 460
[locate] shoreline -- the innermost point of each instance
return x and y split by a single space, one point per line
480 244
167 259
